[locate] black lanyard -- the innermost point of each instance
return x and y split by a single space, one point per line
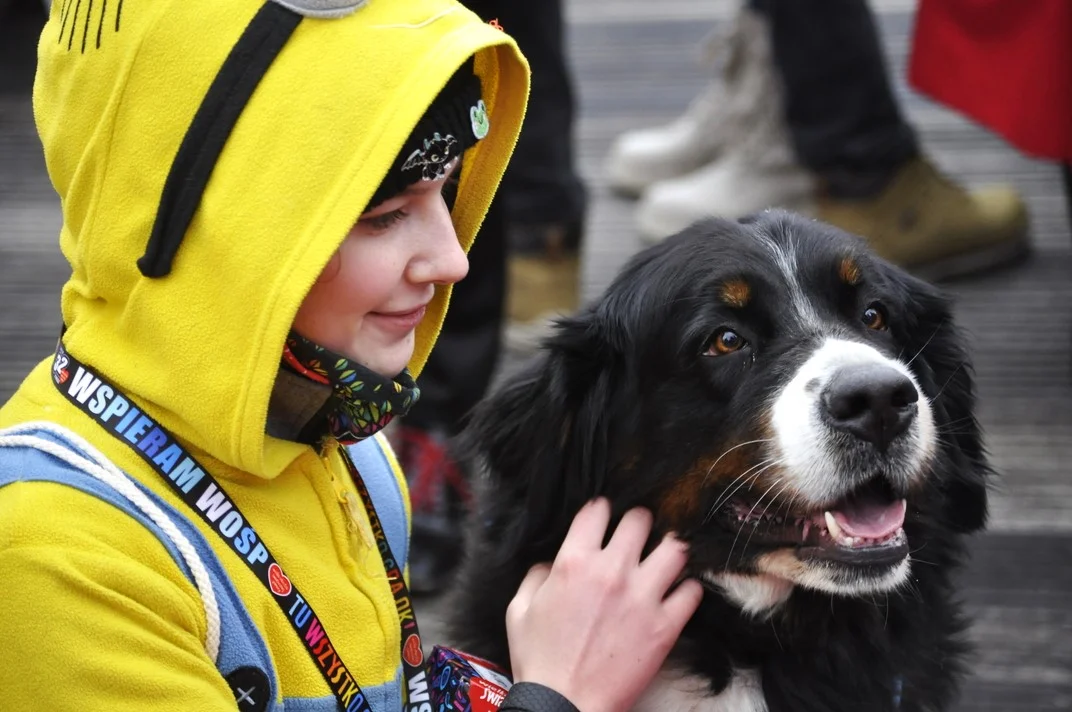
105 404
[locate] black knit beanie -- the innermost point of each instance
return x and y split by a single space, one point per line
455 120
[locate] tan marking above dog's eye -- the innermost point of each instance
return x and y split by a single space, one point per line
724 341
849 271
736 293
874 317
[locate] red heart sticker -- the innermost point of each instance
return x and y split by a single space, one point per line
411 651
278 580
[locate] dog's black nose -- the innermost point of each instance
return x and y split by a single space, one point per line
875 402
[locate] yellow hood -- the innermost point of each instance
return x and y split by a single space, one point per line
115 92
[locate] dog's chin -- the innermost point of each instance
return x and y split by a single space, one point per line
839 578
782 570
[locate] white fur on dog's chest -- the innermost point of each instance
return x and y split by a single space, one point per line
675 691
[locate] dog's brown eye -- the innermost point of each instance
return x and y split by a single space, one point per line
725 341
874 317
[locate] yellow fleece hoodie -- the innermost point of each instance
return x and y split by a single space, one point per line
105 619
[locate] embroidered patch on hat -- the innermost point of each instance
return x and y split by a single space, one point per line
478 117
433 157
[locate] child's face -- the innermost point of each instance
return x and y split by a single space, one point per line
369 299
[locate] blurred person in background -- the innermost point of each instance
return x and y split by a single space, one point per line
803 116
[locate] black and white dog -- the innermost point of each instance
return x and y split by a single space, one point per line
801 413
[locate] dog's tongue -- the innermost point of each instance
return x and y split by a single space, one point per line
871 519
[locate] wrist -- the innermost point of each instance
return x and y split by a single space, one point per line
535 697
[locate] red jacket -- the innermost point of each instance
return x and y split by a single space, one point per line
1005 63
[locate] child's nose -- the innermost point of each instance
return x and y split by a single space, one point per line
444 261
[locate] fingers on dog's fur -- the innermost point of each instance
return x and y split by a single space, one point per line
589 527
631 534
663 566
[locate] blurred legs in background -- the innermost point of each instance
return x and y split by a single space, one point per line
818 129
543 196
728 154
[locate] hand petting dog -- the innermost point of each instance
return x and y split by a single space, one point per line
597 624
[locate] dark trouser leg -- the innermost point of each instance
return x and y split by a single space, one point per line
843 117
541 185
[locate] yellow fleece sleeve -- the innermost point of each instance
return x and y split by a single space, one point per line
97 614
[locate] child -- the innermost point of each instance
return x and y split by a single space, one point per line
196 511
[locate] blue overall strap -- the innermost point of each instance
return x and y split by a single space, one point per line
242 657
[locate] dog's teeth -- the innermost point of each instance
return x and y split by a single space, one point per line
833 526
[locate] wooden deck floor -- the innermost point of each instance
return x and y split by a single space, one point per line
633 67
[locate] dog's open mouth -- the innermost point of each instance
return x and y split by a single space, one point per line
864 528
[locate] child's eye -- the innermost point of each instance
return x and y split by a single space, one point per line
382 222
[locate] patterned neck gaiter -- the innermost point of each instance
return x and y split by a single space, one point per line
361 402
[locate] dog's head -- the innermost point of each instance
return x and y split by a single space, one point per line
795 408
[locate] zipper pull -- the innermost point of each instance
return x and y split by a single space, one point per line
356 517
356 509
328 447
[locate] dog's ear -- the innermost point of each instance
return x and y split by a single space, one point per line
939 355
543 439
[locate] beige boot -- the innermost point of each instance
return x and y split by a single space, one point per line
930 225
713 120
541 286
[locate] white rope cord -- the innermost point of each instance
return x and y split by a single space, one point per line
105 471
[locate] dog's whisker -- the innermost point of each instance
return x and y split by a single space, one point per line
928 342
744 474
913 552
948 381
743 479
767 508
745 520
749 482
910 585
726 497
727 452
